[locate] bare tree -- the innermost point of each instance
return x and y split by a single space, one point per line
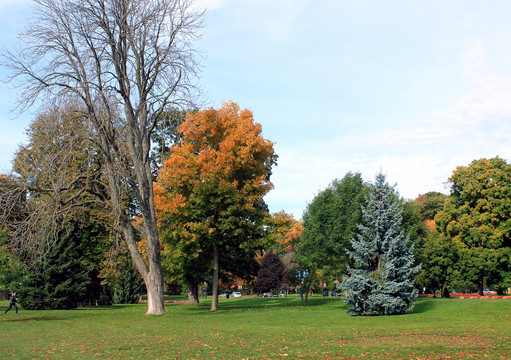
126 61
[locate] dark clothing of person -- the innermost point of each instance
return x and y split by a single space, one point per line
12 303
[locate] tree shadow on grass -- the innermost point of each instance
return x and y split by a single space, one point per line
37 317
424 305
57 315
104 307
258 303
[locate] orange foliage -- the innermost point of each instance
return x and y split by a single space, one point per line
286 230
222 152
292 236
430 225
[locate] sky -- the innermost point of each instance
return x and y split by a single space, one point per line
411 88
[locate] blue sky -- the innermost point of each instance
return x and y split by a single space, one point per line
413 88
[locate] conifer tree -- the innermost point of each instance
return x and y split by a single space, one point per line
381 282
59 281
128 287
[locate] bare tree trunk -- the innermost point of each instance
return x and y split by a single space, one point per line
154 279
214 302
152 274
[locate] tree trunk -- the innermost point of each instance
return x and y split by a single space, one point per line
151 273
154 281
306 297
155 300
193 292
214 301
480 285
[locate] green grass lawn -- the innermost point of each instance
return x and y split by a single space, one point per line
261 328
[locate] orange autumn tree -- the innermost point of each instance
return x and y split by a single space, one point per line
209 194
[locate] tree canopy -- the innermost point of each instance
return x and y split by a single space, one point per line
477 216
430 204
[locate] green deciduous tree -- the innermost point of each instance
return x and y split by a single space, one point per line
329 222
381 282
412 222
477 216
58 180
166 136
440 261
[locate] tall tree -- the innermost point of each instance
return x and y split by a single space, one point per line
381 283
477 216
210 190
55 174
125 62
329 222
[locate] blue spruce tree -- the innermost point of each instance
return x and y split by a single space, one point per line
381 282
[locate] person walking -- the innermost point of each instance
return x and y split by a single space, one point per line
14 300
